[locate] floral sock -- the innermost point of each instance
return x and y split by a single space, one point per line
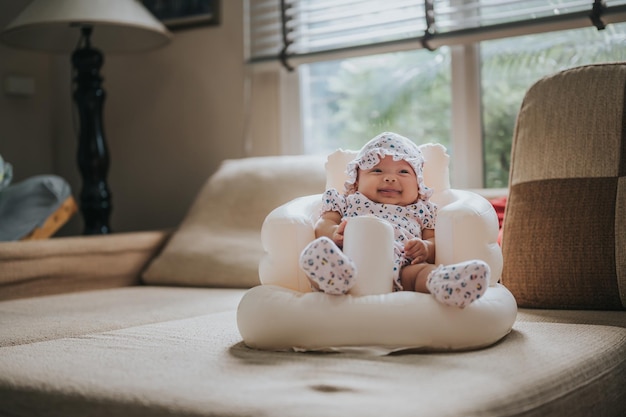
459 284
327 266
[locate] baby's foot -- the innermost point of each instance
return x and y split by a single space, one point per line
326 266
459 284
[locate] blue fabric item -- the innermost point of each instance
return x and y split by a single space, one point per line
27 204
6 173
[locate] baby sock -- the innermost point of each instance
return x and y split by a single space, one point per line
326 265
459 284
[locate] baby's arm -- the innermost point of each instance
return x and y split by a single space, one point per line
331 226
421 250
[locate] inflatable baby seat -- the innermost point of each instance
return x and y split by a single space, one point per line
284 314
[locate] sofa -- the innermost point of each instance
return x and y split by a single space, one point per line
145 323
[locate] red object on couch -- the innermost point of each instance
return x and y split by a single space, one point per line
499 204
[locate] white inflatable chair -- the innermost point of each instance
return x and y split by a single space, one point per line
284 314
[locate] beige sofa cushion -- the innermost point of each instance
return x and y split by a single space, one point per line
564 237
77 314
219 241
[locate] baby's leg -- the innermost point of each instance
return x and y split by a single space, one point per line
457 284
414 277
328 269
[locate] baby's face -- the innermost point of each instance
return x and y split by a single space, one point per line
389 182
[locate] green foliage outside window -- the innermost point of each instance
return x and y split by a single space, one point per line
408 93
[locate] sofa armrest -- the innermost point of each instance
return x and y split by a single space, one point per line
67 264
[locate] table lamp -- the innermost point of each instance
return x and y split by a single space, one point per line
79 26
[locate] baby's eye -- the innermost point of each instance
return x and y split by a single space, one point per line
377 170
404 171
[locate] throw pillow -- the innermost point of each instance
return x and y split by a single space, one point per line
218 243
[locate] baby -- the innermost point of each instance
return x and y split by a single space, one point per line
386 180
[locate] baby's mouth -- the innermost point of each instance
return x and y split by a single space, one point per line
389 191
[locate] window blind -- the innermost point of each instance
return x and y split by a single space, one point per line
300 31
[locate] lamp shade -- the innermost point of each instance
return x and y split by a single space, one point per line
54 26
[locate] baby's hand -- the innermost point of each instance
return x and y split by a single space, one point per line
416 250
338 235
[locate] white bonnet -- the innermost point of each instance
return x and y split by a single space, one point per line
397 146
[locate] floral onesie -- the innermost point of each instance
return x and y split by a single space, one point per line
407 221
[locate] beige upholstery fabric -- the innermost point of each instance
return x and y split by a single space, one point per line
219 242
38 319
564 238
161 357
52 266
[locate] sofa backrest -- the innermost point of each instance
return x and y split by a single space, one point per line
243 191
564 235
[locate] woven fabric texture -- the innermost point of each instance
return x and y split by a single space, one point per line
77 263
564 237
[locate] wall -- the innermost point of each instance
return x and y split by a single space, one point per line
171 116
25 134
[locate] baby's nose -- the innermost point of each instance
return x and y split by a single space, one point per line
390 178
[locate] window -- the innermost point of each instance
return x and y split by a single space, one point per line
359 76
510 66
347 102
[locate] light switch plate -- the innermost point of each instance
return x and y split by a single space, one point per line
19 85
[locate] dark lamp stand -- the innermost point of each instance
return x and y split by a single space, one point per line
93 155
